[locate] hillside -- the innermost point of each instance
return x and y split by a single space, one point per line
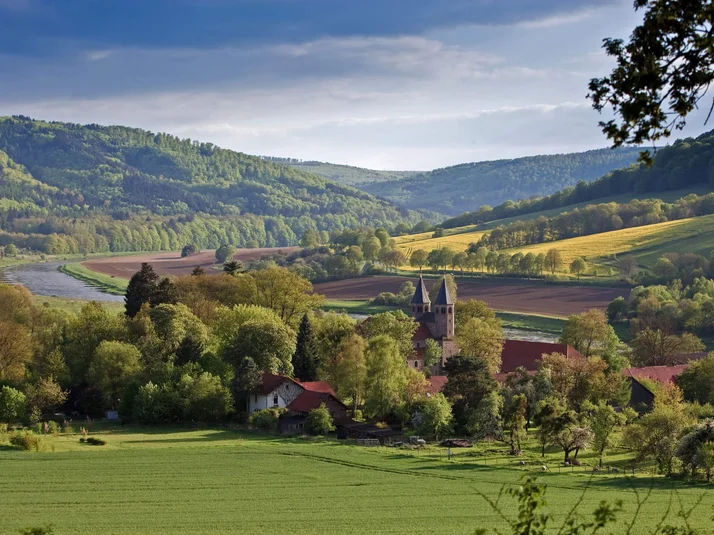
453 190
71 188
687 163
342 174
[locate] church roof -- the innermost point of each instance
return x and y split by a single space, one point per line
421 296
444 297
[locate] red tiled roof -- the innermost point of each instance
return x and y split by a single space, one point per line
525 354
311 399
422 333
270 382
318 386
435 384
662 374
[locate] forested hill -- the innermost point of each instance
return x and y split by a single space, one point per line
67 187
466 187
688 162
343 174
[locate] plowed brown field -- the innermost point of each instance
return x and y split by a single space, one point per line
171 263
529 297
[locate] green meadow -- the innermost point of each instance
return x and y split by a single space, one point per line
174 481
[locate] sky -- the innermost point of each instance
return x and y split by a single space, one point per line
385 84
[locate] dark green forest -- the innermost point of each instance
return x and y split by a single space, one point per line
688 162
453 190
67 188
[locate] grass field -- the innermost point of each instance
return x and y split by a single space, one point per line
73 305
108 283
161 481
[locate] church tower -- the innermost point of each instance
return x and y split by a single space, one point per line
421 304
444 313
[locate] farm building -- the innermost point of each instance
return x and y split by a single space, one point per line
641 396
277 391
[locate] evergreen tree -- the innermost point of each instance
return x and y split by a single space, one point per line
305 359
190 350
141 289
197 271
233 266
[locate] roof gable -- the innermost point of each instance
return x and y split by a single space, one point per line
527 354
662 374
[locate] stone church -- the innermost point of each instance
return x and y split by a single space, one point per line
436 322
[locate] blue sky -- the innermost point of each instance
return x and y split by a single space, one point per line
395 84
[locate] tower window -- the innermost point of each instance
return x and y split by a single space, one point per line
443 310
450 310
416 363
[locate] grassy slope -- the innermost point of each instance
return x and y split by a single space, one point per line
162 481
648 243
108 283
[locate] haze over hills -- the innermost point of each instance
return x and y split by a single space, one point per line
467 187
72 188
343 174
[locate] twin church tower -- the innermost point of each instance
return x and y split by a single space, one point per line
436 321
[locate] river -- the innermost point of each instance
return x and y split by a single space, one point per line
43 278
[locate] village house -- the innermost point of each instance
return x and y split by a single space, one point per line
299 398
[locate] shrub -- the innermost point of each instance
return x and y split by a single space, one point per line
96 441
53 427
266 419
13 405
26 440
319 421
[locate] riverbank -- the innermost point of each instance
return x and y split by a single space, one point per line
106 283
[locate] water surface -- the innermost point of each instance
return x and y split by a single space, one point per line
43 278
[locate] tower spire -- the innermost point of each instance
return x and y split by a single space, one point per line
444 297
421 296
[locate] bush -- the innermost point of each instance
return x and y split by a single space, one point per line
266 419
26 440
319 421
13 405
93 441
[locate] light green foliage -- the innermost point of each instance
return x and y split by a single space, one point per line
432 352
10 250
397 325
205 398
13 405
228 320
113 366
174 323
483 339
346 369
603 423
266 419
436 419
486 420
590 334
270 344
386 376
697 380
319 421
44 396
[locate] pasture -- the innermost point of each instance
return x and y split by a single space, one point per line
161 481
